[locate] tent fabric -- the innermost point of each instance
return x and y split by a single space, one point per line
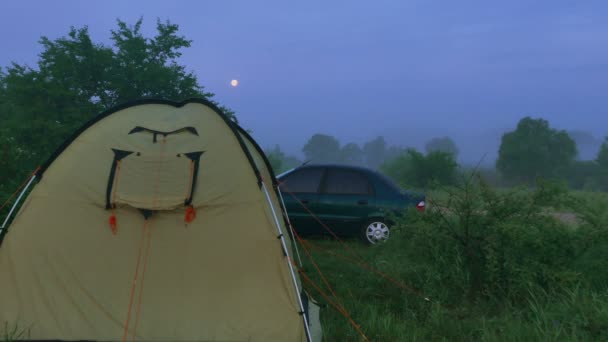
64 275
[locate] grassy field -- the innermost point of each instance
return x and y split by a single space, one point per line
529 277
386 312
495 265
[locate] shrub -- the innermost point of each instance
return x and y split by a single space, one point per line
491 244
413 169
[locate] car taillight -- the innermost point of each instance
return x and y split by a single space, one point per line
421 206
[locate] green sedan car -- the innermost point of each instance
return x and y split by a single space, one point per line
351 201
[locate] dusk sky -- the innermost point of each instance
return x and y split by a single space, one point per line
407 70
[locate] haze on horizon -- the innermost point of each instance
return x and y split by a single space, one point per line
408 71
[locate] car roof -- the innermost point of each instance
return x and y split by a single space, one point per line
331 166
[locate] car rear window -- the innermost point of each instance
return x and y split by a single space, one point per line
303 181
347 182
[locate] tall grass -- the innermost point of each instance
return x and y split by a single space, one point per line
495 265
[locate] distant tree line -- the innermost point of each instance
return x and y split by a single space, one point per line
407 166
532 151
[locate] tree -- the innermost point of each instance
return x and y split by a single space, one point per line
351 154
281 162
275 157
436 168
535 150
10 158
322 148
393 152
374 151
289 162
602 156
602 162
584 175
77 78
413 169
399 169
443 144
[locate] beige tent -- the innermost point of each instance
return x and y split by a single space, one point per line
157 221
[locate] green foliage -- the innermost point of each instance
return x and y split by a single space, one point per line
413 169
489 174
399 169
496 264
535 150
10 159
602 161
504 240
281 162
592 214
275 157
351 154
393 152
583 174
289 162
322 148
375 152
444 144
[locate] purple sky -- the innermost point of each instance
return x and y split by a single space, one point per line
408 70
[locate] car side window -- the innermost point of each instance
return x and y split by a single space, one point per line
303 181
347 182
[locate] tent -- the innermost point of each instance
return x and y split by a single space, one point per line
156 221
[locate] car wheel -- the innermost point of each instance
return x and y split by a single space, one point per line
375 231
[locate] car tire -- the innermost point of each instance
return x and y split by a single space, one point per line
375 231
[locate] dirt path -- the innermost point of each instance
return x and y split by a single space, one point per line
567 218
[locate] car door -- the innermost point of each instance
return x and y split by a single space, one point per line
346 200
300 191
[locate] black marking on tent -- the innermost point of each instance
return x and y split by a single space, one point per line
118 155
196 158
147 213
304 297
164 134
231 124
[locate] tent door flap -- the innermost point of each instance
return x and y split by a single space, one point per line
154 181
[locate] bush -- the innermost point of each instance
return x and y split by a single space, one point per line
415 170
583 175
491 244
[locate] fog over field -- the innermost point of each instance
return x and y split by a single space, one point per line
405 70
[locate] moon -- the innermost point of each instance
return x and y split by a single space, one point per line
234 83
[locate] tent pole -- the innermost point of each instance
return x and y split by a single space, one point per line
17 202
291 230
293 276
